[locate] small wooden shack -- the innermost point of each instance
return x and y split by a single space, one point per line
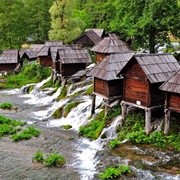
143 75
71 60
10 61
172 100
105 81
88 39
110 45
27 54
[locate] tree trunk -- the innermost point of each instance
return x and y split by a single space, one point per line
152 42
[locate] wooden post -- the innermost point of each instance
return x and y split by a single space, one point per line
124 111
147 120
106 107
166 121
93 104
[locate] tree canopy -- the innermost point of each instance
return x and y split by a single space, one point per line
147 22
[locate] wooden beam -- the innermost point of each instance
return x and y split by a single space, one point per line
147 120
166 121
93 104
124 111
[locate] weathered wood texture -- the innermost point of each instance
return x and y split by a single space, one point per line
174 102
7 67
45 61
108 88
67 70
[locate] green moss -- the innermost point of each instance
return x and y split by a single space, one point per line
69 107
63 93
6 105
58 113
89 91
67 127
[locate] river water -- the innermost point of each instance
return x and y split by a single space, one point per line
85 158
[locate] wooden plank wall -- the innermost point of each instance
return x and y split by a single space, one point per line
7 67
99 57
100 86
174 102
115 87
45 61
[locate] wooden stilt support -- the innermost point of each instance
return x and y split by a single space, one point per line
93 104
147 120
124 111
106 107
166 121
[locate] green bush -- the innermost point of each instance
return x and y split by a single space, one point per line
54 159
114 143
115 172
6 105
38 156
26 134
67 126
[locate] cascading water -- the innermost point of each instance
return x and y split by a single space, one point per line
86 159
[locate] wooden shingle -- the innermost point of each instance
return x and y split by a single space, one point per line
9 56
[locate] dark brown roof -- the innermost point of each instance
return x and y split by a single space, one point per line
111 44
99 32
53 43
74 55
109 67
30 54
172 84
157 67
9 56
95 38
36 47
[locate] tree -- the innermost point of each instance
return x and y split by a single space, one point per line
148 21
63 26
38 19
12 24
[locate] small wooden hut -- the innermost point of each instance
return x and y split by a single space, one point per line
88 39
106 83
110 45
71 60
143 75
172 100
10 61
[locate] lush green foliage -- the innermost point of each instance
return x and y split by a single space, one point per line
114 143
93 129
31 73
38 156
26 134
89 91
133 129
9 126
67 126
63 93
115 172
58 113
6 105
54 159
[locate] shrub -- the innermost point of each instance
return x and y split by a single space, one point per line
6 105
38 156
54 159
114 143
67 126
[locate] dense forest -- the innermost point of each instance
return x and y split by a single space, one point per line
146 22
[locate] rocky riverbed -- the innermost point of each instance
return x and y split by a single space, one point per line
16 157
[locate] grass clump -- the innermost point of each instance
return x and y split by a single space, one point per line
89 91
58 113
63 93
26 134
115 172
52 159
114 143
67 126
6 105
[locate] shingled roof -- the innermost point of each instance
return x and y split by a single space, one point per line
74 55
44 51
53 43
112 44
99 32
109 67
95 38
36 47
157 67
9 56
30 54
172 84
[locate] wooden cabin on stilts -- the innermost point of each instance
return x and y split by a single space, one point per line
143 75
172 100
105 81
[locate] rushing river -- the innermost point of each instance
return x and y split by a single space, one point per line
90 157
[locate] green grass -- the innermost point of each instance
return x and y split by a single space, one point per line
31 73
69 107
6 105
